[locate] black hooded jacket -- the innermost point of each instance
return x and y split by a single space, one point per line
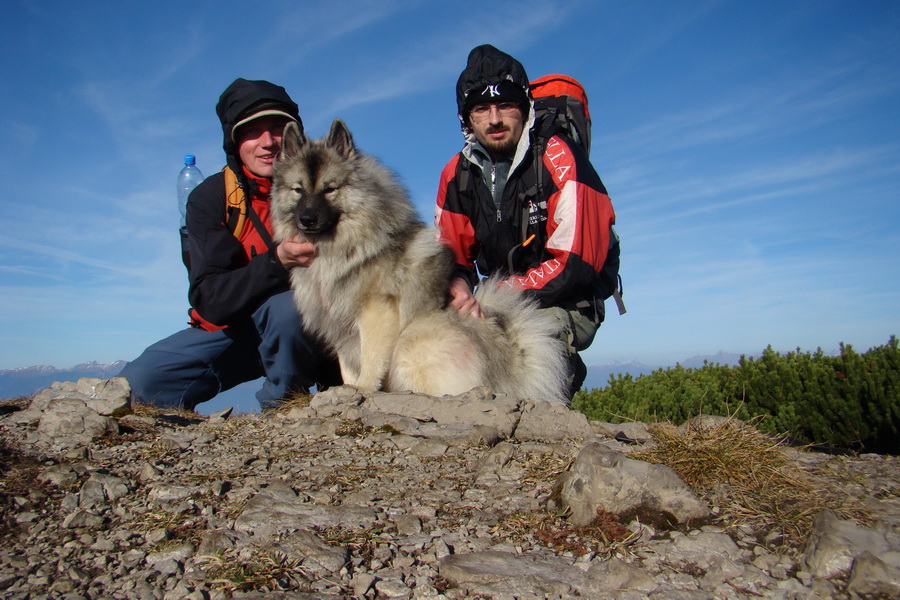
228 281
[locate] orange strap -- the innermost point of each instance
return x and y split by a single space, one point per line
235 203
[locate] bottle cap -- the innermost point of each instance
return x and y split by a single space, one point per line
189 159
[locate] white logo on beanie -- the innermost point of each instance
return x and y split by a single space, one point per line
492 90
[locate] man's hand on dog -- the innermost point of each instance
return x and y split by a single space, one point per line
461 298
294 253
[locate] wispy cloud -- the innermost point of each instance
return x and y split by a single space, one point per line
778 109
434 58
62 255
676 18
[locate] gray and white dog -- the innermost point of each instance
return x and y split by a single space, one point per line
376 294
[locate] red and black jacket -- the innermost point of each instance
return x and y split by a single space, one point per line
570 218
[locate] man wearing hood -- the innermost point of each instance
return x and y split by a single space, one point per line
243 321
545 222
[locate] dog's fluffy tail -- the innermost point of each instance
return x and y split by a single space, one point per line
514 349
533 364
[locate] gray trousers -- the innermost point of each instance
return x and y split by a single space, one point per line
577 331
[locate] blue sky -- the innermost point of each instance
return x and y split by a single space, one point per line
751 149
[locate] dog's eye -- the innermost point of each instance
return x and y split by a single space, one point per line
298 190
328 191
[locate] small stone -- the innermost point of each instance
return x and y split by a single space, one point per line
26 517
148 472
82 518
361 583
393 588
408 525
157 535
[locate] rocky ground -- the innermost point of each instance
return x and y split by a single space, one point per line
400 496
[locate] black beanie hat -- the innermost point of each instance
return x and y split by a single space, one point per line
505 91
486 67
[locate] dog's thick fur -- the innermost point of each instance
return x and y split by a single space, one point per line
377 291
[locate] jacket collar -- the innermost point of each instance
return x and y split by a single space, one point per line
477 155
262 186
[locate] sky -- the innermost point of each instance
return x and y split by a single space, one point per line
751 150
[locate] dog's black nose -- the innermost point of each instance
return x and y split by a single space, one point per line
307 221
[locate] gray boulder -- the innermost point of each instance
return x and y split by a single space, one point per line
552 421
873 577
69 422
602 478
834 543
277 511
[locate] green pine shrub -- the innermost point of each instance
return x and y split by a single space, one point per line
847 401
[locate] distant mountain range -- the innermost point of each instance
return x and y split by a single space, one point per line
598 375
24 382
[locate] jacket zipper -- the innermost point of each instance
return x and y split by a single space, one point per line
494 191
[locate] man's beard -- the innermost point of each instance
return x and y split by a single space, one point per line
500 149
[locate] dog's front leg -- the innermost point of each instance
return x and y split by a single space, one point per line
349 372
379 328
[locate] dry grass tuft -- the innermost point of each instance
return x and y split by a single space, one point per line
359 541
604 536
13 404
18 471
232 571
350 477
352 429
545 467
294 400
147 410
358 430
180 527
19 481
747 474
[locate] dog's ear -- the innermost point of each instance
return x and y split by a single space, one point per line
292 140
340 139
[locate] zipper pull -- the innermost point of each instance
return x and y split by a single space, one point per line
499 216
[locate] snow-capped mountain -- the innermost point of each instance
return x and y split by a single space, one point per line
26 381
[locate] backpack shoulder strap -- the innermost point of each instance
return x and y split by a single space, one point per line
235 203
463 173
258 224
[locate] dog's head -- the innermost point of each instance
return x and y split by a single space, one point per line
307 182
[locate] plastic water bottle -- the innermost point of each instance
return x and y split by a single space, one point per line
189 178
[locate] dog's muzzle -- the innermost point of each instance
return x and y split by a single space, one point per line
312 222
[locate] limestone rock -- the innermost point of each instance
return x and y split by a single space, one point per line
494 572
552 421
834 543
267 514
101 489
500 413
70 422
318 557
602 478
874 578
108 397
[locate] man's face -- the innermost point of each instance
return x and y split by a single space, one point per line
259 142
497 126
